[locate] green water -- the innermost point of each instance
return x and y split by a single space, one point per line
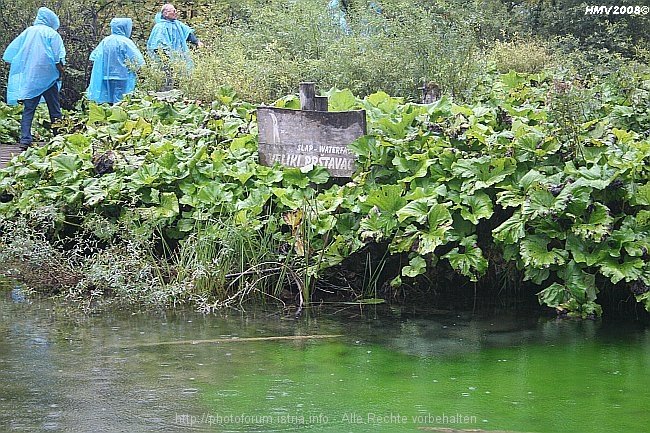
125 372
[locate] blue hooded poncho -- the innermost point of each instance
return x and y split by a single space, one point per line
33 56
116 58
169 35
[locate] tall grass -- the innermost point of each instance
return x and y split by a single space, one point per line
217 252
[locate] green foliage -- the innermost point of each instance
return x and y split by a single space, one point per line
445 185
519 55
594 33
263 48
9 124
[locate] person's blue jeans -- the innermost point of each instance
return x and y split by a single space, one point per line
51 97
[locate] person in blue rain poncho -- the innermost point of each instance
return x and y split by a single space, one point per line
339 10
169 38
171 35
37 59
115 62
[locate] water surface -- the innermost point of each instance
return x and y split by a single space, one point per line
182 371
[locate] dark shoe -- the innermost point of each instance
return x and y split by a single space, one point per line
55 126
24 146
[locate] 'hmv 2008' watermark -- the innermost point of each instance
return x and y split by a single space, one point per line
616 10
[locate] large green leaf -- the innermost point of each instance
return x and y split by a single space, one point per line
539 203
168 205
598 224
642 196
626 236
554 295
511 230
317 174
290 197
254 202
396 126
295 176
404 240
468 259
135 128
510 198
531 179
575 197
576 295
146 175
383 101
440 222
388 198
416 166
596 176
65 168
478 206
96 113
482 172
585 251
439 216
581 285
213 194
536 275
341 100
535 252
416 209
117 114
417 266
376 226
628 269
93 191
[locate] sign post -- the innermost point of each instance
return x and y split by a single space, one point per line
298 138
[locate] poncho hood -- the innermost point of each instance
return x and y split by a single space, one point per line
46 17
122 26
159 18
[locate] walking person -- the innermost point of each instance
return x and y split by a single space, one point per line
171 37
115 62
171 34
37 59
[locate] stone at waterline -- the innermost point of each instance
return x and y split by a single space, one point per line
298 138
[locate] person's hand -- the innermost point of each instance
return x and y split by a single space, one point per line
199 44
61 68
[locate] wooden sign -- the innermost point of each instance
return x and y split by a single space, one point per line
298 138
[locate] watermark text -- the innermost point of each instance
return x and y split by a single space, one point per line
616 10
372 418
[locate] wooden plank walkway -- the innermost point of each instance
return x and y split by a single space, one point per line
7 151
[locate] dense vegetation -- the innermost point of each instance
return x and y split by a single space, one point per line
527 173
540 180
263 48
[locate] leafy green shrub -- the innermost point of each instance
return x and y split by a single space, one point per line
520 55
472 189
266 55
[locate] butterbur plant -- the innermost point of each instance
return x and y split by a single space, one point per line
504 184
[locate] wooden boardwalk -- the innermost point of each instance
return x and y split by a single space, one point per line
7 151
